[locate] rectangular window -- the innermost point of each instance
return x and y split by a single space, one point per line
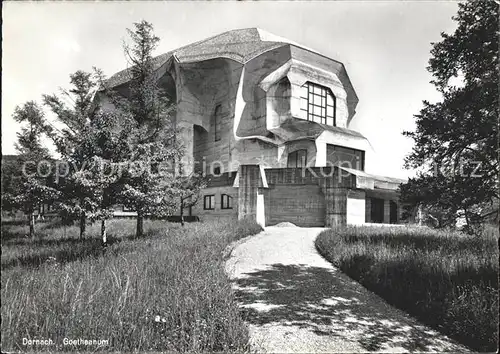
209 202
297 158
217 122
345 157
226 201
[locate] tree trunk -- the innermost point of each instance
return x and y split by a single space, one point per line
182 212
140 225
104 236
32 224
83 226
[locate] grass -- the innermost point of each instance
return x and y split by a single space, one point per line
165 292
447 280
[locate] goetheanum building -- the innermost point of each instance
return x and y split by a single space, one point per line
270 121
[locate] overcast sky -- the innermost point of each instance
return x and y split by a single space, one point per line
384 46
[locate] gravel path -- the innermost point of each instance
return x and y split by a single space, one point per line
295 301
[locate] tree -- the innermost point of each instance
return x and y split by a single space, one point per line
31 189
147 184
456 140
90 144
188 191
11 176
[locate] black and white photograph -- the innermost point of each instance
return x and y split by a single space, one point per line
250 176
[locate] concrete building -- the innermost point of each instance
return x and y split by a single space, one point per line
270 121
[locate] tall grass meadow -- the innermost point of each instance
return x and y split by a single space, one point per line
446 279
165 292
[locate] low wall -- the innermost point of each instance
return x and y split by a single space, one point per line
217 213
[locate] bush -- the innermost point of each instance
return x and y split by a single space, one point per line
165 292
447 280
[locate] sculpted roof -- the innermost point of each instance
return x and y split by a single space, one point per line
240 45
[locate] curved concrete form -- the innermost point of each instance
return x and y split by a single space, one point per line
254 80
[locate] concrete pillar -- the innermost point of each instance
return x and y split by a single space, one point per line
336 206
368 210
260 212
356 208
320 153
387 211
250 201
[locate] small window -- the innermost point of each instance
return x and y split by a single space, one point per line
209 202
217 170
297 158
226 201
217 123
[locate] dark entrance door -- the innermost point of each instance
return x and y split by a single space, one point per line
377 210
393 216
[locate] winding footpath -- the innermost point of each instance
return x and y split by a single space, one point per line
296 301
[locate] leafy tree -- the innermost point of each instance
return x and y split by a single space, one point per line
31 189
456 139
91 146
11 175
188 191
147 184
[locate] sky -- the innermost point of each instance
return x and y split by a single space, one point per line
384 45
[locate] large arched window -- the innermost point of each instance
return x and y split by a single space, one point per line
297 158
318 103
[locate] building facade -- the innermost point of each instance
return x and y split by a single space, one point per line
269 120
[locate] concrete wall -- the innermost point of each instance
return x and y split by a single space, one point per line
218 213
306 197
201 87
333 185
356 207
302 205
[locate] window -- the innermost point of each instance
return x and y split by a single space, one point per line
345 157
318 103
297 158
226 201
209 202
217 170
282 96
217 119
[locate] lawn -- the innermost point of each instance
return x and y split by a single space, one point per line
165 292
447 280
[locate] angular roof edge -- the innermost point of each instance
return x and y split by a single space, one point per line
245 36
